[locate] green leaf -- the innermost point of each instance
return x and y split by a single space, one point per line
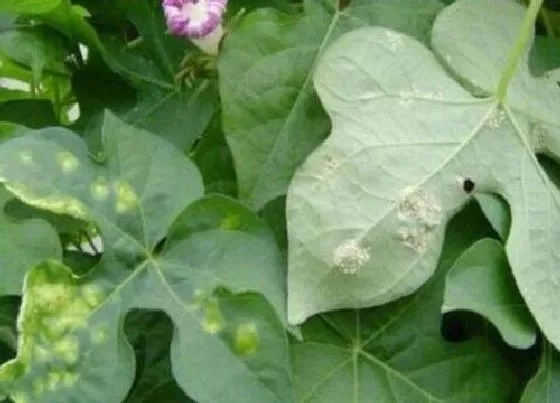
150 333
544 387
271 114
213 291
480 281
151 63
496 211
545 55
396 353
33 113
367 210
28 6
41 50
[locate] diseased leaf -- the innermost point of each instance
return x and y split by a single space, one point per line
395 353
71 337
544 387
481 281
272 118
367 210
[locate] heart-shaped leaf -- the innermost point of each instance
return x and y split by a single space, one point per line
367 210
70 328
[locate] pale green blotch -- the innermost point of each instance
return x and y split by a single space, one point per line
67 161
213 321
92 295
42 354
38 387
26 158
99 335
246 339
100 189
69 379
68 349
19 397
126 197
53 379
230 222
51 297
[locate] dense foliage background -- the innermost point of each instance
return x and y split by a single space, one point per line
353 201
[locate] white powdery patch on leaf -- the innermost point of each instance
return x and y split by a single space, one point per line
349 257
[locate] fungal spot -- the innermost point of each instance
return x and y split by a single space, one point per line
19 397
496 119
246 339
406 97
92 295
67 161
69 379
537 136
51 297
99 336
126 197
68 349
468 185
230 222
42 354
213 322
349 257
53 379
419 215
100 189
26 157
394 40
38 387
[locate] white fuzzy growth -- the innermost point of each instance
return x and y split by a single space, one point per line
349 257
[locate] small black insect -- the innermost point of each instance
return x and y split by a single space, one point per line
468 185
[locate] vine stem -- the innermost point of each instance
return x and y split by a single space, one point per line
517 50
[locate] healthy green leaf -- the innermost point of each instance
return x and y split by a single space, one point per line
367 210
480 281
395 353
28 6
133 197
152 63
545 55
544 387
271 115
496 211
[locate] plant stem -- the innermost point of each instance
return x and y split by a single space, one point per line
518 49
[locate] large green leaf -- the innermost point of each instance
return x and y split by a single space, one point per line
71 337
480 281
396 353
28 6
367 210
272 118
544 387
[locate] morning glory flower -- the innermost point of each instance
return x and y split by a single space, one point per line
199 20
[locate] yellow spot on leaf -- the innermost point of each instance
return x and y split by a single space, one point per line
100 189
246 339
213 321
26 157
19 397
92 295
38 387
69 379
99 336
53 379
51 297
230 223
42 354
67 161
68 349
126 197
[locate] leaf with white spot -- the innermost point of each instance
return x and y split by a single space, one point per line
406 137
396 353
70 328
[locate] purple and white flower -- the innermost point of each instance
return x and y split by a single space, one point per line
199 20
